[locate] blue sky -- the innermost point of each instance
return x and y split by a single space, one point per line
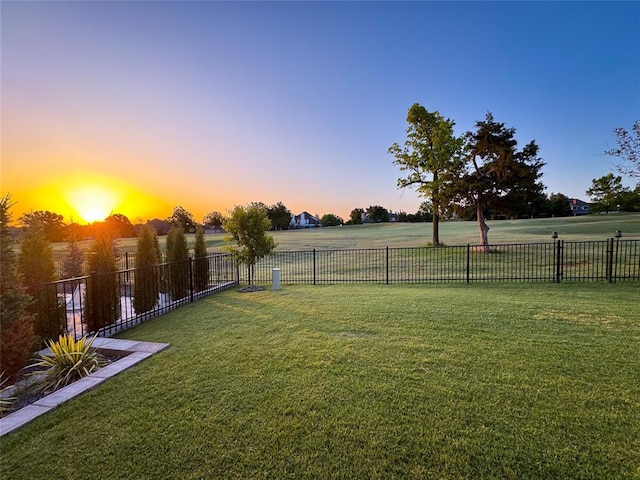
210 104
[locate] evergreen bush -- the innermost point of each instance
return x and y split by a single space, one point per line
146 286
17 340
201 263
102 303
177 264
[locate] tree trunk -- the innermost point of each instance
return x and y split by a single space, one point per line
436 209
484 228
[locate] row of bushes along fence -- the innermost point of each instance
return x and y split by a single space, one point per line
107 303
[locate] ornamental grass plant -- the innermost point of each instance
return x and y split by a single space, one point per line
69 360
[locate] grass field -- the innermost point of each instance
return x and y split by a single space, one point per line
514 381
591 227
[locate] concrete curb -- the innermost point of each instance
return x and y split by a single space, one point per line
137 352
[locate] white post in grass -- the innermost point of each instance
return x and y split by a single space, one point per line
276 278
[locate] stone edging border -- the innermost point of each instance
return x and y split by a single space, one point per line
138 351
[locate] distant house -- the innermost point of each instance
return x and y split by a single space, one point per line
578 207
304 220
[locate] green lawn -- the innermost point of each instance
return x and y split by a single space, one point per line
439 381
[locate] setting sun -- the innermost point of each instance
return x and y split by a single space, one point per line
92 203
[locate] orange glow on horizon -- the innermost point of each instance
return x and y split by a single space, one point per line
92 203
88 197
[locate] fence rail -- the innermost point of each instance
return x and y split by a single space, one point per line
108 303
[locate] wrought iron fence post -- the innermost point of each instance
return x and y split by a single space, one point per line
91 312
468 263
191 279
560 261
615 272
609 253
558 254
126 265
387 262
314 266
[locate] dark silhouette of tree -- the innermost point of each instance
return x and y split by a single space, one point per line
17 339
119 226
50 223
183 219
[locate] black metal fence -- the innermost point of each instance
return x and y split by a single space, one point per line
124 261
609 260
109 302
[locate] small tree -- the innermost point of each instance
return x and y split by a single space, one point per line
39 272
628 150
430 153
280 216
247 239
177 264
355 217
330 220
146 287
377 214
72 266
559 205
50 223
102 304
183 219
201 263
118 225
214 220
607 193
17 339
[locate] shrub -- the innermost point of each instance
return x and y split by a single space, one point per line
70 360
102 305
36 265
246 238
16 324
178 264
147 279
201 267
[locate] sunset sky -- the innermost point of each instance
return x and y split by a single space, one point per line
136 107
